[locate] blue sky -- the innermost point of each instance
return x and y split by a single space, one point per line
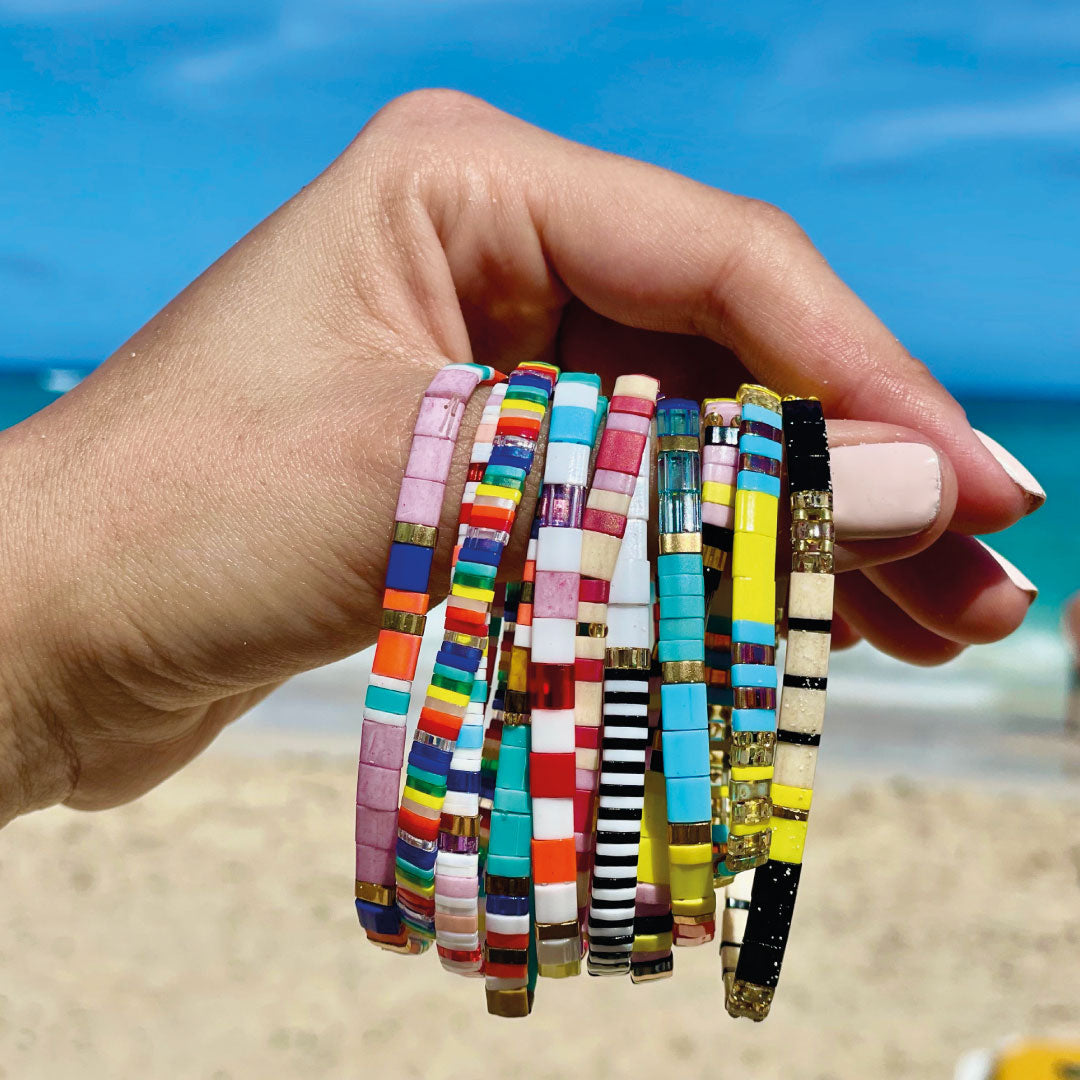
932 150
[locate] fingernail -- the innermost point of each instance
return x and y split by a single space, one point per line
1017 472
884 490
1017 577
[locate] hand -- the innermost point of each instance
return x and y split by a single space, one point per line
207 513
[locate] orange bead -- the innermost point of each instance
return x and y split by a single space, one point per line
399 600
554 861
396 655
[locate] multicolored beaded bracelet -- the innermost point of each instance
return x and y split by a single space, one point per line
753 628
681 652
422 836
719 471
622 449
802 710
457 929
405 605
551 673
510 967
489 761
613 887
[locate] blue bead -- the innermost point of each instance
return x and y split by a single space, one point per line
422 860
686 752
682 629
683 706
528 378
753 633
753 675
682 585
409 567
677 416
431 758
511 834
506 905
681 563
755 481
509 866
515 800
463 781
668 651
761 415
572 424
753 719
516 457
390 701
682 607
466 656
476 550
758 444
377 918
688 798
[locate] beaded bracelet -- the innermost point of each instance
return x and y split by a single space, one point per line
802 710
618 462
509 951
681 651
719 469
421 834
489 762
405 605
753 628
551 675
613 889
457 930
652 957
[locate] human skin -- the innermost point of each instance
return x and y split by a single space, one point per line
207 513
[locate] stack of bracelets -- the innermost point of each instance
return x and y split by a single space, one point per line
632 783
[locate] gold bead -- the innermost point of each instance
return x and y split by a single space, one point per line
421 535
683 671
680 543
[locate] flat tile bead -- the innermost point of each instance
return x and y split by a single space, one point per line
429 458
615 480
377 788
440 417
382 745
374 864
556 593
419 502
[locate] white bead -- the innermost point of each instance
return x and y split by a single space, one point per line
379 717
552 731
630 629
552 819
558 549
557 902
401 685
567 463
553 641
576 394
506 924
454 864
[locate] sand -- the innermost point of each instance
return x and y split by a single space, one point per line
208 931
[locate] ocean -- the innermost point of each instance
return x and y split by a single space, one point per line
1018 684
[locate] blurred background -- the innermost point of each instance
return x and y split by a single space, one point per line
932 152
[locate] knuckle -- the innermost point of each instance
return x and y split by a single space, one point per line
768 219
421 112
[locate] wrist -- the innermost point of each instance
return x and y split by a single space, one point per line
38 765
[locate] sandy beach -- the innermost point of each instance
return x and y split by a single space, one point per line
207 931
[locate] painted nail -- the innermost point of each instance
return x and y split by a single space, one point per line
1017 472
884 490
1015 575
